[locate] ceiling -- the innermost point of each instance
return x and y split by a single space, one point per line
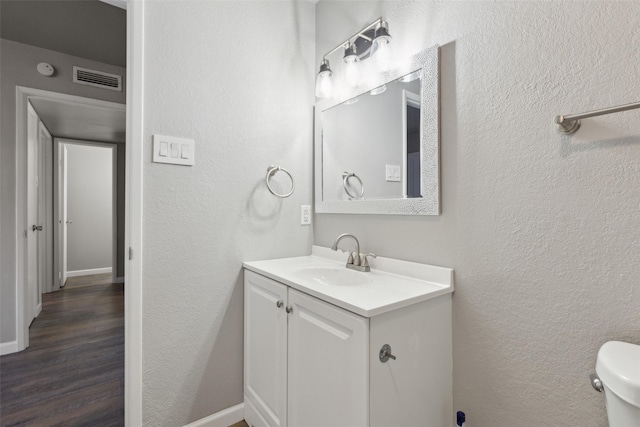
76 121
88 29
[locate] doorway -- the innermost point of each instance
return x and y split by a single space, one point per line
133 196
85 210
53 109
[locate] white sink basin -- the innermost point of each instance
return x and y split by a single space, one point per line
334 276
390 284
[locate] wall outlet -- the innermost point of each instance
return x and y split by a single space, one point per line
305 215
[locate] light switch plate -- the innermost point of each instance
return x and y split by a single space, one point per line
393 173
181 151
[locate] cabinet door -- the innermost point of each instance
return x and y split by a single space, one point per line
328 365
265 348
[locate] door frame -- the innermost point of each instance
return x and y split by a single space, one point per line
59 201
133 215
133 212
23 95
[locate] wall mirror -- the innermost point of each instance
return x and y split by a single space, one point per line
377 147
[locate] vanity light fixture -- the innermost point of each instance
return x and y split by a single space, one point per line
370 40
380 46
323 82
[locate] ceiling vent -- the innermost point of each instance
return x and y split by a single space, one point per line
84 76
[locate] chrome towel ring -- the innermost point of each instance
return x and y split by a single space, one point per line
271 170
345 184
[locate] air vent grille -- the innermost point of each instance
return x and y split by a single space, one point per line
95 78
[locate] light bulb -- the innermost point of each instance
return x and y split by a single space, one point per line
352 73
382 54
380 46
324 88
378 90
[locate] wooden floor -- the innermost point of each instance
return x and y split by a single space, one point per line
72 374
95 279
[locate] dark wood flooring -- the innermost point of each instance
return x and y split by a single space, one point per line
72 374
94 279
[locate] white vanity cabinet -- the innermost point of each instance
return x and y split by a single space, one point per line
312 363
305 359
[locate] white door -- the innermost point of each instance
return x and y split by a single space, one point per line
265 349
328 377
44 211
33 225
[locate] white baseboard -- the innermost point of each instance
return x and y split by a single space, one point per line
8 347
89 272
224 418
119 280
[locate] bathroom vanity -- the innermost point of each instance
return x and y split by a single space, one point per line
327 346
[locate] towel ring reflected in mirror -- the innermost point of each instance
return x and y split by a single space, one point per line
345 184
271 171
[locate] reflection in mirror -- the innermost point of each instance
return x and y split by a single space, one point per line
378 150
375 139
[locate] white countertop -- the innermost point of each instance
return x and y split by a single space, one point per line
391 284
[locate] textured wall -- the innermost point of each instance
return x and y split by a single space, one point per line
18 62
238 78
543 231
90 207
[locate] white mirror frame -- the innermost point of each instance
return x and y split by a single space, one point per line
429 203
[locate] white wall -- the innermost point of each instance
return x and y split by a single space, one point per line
362 138
89 207
238 78
18 68
542 230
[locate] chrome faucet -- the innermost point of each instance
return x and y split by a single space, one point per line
355 261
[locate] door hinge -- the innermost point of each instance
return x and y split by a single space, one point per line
130 253
25 234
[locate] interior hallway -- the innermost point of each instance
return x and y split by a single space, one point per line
72 374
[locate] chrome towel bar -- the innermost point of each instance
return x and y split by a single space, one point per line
569 124
271 170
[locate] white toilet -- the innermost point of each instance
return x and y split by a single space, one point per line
618 367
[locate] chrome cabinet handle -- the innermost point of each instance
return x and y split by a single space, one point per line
289 309
385 353
279 303
36 227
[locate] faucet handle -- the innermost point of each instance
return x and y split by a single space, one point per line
356 259
365 261
350 259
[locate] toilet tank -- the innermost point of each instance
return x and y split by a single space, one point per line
618 366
